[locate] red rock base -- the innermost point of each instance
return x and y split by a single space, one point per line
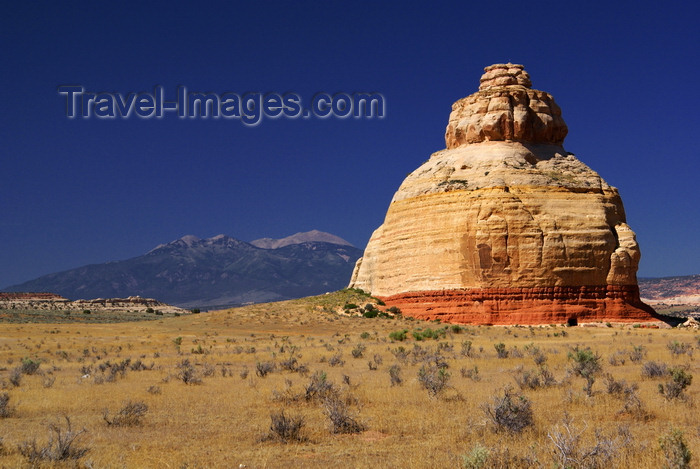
527 306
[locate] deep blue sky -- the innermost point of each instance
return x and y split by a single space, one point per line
74 192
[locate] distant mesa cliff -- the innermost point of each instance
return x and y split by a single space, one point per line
50 301
671 290
213 273
30 296
505 226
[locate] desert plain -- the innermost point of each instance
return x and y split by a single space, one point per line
314 383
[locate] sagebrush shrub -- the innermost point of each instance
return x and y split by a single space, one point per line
476 458
336 360
29 366
138 365
395 375
654 370
509 412
471 373
287 395
501 350
618 358
466 348
535 379
674 388
539 358
285 428
358 351
445 347
675 449
633 405
208 370
319 387
433 358
187 373
130 415
111 371
262 369
515 353
5 409
586 364
16 377
570 453
400 353
613 386
433 378
399 336
48 381
60 447
428 333
289 364
638 353
679 348
341 421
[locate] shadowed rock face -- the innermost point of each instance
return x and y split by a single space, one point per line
504 225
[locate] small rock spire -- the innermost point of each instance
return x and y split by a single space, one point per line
500 75
505 108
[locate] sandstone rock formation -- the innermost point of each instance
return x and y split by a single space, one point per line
504 226
51 301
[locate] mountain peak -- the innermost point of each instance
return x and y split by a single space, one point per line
189 239
298 238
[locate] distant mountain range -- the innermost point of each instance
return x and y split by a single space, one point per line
215 272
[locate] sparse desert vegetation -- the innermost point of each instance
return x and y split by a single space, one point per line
314 383
58 316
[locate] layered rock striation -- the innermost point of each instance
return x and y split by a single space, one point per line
504 226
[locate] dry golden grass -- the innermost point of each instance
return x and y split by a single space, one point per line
222 422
